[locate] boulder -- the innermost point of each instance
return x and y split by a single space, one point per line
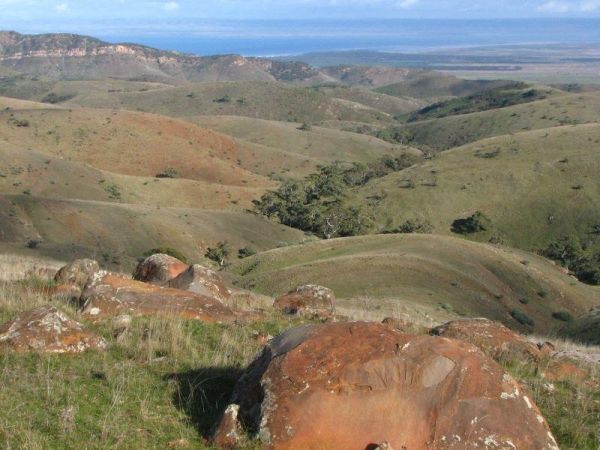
77 273
496 340
110 295
307 300
47 330
159 269
355 386
564 371
203 281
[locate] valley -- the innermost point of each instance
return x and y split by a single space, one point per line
253 197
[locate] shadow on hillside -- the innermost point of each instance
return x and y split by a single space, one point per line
204 394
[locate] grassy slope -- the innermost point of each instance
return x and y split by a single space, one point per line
40 174
299 151
394 105
449 132
124 231
266 100
424 271
431 85
531 196
130 143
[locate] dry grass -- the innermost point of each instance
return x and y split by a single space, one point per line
18 267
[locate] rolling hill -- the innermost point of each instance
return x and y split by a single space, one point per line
431 277
535 186
299 151
129 143
117 234
456 130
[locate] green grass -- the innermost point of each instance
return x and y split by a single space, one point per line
163 381
422 273
522 182
509 95
453 131
572 431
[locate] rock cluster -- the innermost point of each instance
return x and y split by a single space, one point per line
307 300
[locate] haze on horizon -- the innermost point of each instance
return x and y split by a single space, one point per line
42 11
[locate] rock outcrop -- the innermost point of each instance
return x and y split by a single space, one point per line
355 386
203 281
77 273
159 269
493 338
47 330
307 300
110 295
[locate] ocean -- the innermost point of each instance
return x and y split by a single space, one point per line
278 38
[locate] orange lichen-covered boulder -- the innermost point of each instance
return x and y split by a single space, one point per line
77 273
354 386
109 295
564 371
308 299
47 330
159 269
202 280
493 338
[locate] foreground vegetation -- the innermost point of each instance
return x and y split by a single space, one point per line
163 383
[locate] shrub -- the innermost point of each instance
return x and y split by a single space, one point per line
305 127
166 251
474 224
521 317
113 191
33 243
246 252
563 316
224 99
420 226
218 254
168 173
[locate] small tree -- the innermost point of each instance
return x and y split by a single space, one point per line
219 254
246 252
474 224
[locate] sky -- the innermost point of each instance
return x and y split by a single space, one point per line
43 11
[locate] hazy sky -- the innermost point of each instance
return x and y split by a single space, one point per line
40 11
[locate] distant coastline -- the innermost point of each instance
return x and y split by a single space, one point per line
289 38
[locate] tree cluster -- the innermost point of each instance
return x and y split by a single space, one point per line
569 252
316 204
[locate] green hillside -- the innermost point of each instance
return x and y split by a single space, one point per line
535 187
431 276
118 234
457 130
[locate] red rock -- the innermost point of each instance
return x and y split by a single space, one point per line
353 386
77 272
109 295
564 371
496 340
48 330
203 281
159 269
311 300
